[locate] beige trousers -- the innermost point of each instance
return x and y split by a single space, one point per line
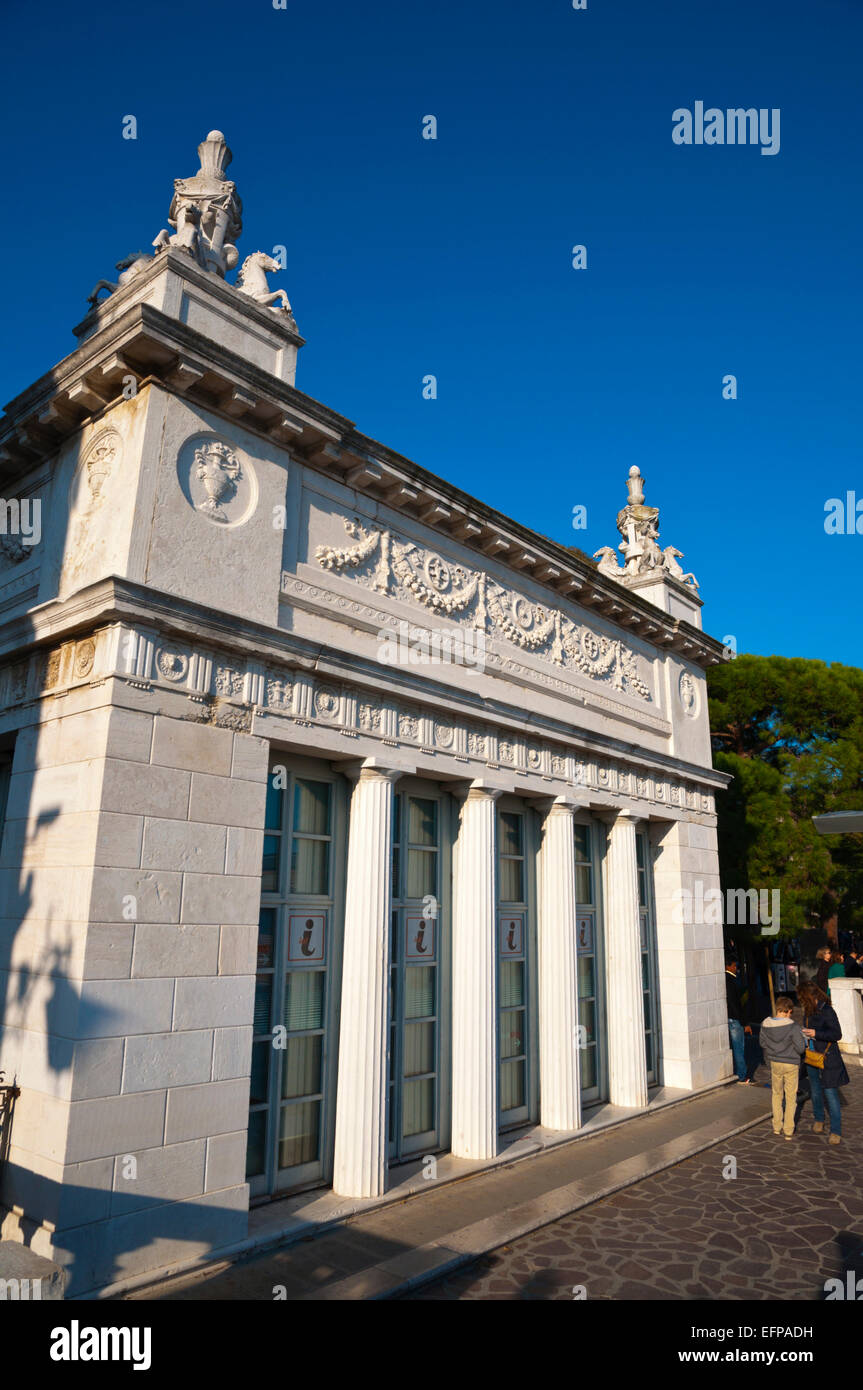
784 1078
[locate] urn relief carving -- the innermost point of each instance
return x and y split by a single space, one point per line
217 480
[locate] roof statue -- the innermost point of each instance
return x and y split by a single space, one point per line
638 524
207 217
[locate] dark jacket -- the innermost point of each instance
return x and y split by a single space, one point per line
852 969
821 975
732 997
827 1030
781 1040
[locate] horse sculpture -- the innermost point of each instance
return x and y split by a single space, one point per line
129 268
252 280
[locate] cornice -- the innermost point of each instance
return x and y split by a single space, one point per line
158 349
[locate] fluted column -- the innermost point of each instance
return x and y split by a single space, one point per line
559 1084
360 1162
474 977
627 1063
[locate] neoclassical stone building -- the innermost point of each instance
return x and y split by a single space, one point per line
344 815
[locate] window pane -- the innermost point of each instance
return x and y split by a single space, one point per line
588 1067
304 1000
266 937
422 821
312 807
639 851
397 817
419 1048
510 833
511 983
298 1135
260 1072
422 873
417 1107
582 842
586 977
648 1047
512 1033
642 889
587 1018
583 886
275 800
270 864
512 1086
256 1144
511 890
419 991
396 871
645 971
263 995
301 1071
310 864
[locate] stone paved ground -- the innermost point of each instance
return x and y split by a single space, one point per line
792 1218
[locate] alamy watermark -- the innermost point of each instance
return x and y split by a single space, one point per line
734 907
422 646
736 126
21 517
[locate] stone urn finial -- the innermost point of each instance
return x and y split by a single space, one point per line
635 486
214 156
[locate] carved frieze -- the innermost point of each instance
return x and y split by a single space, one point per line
391 565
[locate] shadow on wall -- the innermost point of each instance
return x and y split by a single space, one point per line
87 1215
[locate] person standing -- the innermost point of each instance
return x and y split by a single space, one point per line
836 969
821 1025
737 1029
823 968
852 966
783 1044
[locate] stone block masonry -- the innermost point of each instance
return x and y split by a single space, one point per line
128 972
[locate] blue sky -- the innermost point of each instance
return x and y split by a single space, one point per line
452 257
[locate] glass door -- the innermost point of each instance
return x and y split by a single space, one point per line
648 956
289 1140
417 949
517 1087
593 1061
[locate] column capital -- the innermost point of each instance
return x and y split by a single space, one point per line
621 816
565 804
479 790
375 769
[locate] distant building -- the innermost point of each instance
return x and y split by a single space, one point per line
345 814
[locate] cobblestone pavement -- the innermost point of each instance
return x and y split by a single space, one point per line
789 1220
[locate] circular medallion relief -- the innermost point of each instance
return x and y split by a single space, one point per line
217 480
688 694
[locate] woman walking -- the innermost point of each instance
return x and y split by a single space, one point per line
821 1025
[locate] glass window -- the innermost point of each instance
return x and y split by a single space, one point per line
299 1133
304 1000
310 865
419 991
512 1095
422 822
301 1073
511 856
312 807
510 832
418 1107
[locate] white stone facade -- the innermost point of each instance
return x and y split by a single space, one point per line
219 555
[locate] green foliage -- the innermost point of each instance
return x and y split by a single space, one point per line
790 732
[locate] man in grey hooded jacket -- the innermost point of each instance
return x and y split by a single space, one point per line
783 1044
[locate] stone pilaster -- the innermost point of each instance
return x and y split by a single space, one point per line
627 1065
474 977
360 1162
560 1097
